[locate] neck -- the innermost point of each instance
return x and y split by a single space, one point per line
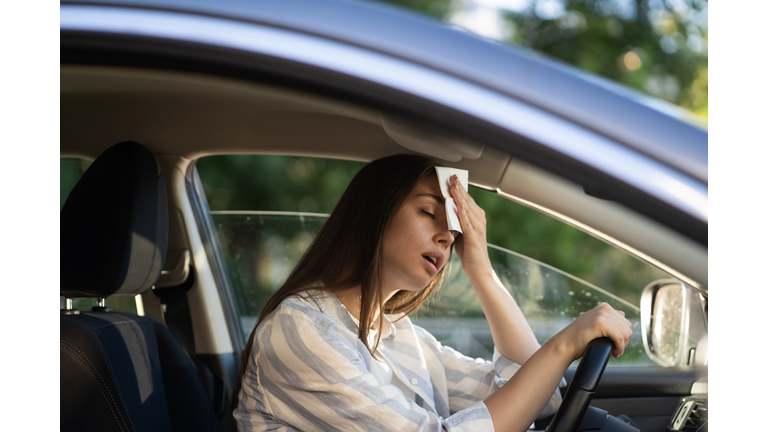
350 298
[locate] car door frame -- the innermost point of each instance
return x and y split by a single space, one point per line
88 42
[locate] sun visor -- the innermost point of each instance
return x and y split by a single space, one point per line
429 141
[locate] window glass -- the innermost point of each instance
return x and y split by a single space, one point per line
71 170
267 210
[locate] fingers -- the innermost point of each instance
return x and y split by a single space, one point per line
464 218
615 326
620 341
469 211
458 191
603 321
600 321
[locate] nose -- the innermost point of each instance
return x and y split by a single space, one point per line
446 237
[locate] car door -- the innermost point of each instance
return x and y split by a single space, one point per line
535 132
262 236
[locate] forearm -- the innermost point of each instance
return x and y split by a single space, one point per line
511 333
516 404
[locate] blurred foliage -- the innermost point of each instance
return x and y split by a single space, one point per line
526 231
656 46
260 252
276 183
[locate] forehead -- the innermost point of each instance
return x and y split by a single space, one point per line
427 187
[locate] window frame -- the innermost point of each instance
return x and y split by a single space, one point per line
215 252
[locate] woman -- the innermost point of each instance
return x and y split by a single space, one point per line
335 350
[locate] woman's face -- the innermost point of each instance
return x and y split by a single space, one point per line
417 242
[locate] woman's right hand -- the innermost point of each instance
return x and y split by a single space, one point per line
602 320
515 405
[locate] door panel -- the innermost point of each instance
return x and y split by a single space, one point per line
648 395
649 381
651 414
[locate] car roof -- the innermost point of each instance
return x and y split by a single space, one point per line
190 111
657 129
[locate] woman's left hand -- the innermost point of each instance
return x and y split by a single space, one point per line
471 246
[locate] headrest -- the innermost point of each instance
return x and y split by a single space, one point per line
114 225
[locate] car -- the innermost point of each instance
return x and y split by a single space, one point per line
217 90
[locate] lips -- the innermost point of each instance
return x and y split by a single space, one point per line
434 260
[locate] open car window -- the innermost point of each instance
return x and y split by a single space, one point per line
267 209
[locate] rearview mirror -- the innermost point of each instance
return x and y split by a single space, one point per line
674 323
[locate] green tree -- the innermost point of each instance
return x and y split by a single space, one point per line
656 46
283 183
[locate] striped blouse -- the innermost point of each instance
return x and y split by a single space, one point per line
309 371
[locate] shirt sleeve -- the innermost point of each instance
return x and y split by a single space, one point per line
309 376
470 380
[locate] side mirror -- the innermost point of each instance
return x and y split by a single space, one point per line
674 323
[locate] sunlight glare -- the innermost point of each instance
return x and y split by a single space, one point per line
632 61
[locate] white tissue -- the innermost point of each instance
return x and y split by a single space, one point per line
444 179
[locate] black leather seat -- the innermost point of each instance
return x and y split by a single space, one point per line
119 371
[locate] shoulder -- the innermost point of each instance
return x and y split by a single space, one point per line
404 326
302 337
302 308
424 336
306 313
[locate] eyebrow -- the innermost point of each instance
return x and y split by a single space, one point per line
437 198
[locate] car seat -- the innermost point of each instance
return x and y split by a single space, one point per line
120 371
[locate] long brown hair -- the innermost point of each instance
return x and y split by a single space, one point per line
347 251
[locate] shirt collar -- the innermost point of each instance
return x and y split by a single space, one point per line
331 305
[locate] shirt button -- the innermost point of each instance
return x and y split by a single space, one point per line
414 381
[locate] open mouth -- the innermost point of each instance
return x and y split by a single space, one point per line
433 262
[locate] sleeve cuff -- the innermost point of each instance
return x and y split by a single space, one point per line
475 418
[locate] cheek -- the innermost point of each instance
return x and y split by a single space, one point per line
394 242
399 240
400 228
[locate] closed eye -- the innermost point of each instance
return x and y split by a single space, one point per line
428 214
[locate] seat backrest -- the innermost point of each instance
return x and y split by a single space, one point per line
120 371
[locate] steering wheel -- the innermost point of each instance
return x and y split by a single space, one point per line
582 387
